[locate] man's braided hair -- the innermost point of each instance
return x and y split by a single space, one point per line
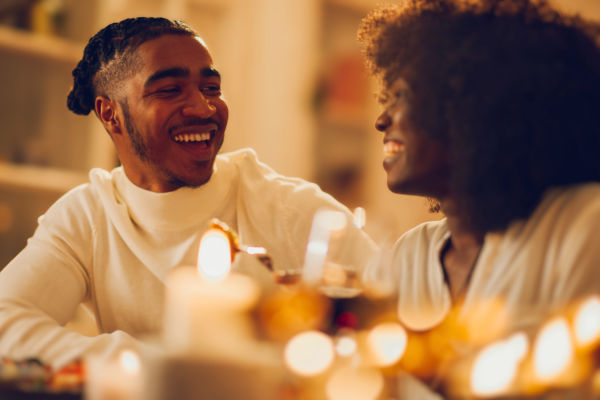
109 57
512 87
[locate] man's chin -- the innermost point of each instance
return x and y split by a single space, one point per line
193 181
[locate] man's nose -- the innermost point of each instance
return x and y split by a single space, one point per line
198 106
383 121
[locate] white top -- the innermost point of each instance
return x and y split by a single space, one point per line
522 275
110 244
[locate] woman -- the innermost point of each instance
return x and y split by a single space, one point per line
492 109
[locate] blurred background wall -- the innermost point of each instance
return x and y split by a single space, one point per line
292 75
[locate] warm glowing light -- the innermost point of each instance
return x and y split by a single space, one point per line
518 345
309 353
324 223
553 349
346 346
129 361
587 322
214 255
331 220
256 250
496 366
350 383
317 247
360 217
387 342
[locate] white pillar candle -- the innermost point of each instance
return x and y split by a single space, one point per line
113 378
205 314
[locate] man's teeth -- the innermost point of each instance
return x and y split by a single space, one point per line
192 137
392 148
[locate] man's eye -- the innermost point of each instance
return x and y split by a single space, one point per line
211 90
169 90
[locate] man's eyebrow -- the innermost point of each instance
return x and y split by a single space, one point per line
176 72
208 72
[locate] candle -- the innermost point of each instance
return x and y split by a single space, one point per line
206 305
114 378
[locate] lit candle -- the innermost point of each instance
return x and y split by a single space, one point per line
206 305
114 379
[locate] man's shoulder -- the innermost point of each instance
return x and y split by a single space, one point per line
259 181
80 202
254 172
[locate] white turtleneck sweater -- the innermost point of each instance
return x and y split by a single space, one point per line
110 244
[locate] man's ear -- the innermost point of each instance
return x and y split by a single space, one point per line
107 112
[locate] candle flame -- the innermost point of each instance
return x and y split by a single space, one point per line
129 361
360 217
495 367
387 342
587 322
214 255
553 349
309 353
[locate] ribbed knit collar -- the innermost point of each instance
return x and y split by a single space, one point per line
176 210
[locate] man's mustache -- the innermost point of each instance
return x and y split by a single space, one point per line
194 122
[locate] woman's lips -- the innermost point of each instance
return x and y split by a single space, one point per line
391 148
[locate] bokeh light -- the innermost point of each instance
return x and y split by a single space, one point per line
553 349
586 323
214 255
346 346
387 343
350 383
309 353
496 366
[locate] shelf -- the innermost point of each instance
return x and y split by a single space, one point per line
34 178
39 47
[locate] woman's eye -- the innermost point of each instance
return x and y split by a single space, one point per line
401 93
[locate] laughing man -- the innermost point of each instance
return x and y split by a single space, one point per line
109 244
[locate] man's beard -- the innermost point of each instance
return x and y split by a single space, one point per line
141 151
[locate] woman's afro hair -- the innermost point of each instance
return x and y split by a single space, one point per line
511 86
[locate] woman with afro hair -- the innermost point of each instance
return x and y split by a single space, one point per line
492 111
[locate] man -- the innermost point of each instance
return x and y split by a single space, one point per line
110 244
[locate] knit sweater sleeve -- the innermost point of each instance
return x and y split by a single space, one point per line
283 208
41 288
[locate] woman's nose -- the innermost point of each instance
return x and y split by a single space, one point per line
383 121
